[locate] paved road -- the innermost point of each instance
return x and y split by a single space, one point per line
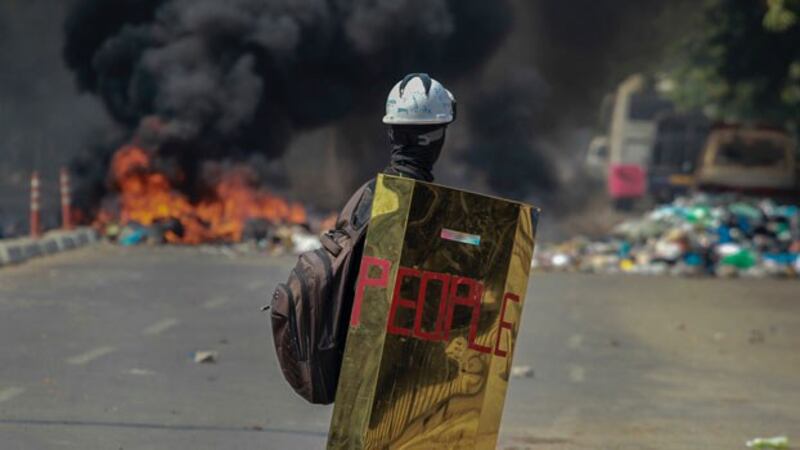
98 350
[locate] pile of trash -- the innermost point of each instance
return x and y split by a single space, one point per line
721 235
259 235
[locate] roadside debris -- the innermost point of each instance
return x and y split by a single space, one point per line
720 235
258 236
132 234
777 442
205 357
522 372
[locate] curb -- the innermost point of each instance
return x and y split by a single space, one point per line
16 251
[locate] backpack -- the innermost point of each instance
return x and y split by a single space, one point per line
310 313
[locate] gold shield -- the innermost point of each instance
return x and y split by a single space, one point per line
436 313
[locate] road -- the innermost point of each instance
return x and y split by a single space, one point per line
98 347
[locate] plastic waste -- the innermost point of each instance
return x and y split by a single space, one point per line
743 259
745 210
692 259
723 235
522 372
777 442
132 236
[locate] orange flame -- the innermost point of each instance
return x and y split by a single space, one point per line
146 197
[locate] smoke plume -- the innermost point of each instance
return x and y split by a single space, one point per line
241 76
503 124
200 80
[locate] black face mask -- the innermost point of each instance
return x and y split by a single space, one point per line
415 148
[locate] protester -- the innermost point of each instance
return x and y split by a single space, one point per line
310 311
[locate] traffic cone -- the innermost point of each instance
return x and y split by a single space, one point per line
66 203
35 219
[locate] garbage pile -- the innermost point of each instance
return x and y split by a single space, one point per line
719 235
258 235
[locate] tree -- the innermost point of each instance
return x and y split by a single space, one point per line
743 62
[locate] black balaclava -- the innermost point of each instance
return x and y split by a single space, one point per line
415 148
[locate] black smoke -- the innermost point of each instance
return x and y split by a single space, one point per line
207 79
44 122
504 122
539 99
219 80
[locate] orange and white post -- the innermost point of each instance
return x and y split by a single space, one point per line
66 203
35 219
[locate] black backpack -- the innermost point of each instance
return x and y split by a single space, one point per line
311 311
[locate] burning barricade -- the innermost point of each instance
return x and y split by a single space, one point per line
700 235
148 209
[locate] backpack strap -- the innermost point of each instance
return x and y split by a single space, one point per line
330 244
354 217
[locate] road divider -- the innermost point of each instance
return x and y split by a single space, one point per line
16 251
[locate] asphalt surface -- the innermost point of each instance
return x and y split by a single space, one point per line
98 349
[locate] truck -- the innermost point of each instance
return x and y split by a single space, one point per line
628 130
679 141
647 150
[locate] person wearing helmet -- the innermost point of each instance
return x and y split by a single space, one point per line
418 110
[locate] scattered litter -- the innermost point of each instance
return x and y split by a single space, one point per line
205 357
259 235
702 235
305 242
132 234
522 372
779 442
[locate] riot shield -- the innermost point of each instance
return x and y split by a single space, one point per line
435 316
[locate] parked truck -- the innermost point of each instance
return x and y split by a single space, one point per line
645 149
678 144
627 137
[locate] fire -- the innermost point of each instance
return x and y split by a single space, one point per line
146 196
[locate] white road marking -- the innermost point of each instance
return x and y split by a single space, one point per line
84 358
9 393
216 302
577 374
142 372
575 341
160 327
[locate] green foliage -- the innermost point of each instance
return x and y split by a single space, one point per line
743 62
781 15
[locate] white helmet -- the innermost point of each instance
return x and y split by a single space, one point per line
419 100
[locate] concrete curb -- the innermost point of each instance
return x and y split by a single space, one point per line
16 251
